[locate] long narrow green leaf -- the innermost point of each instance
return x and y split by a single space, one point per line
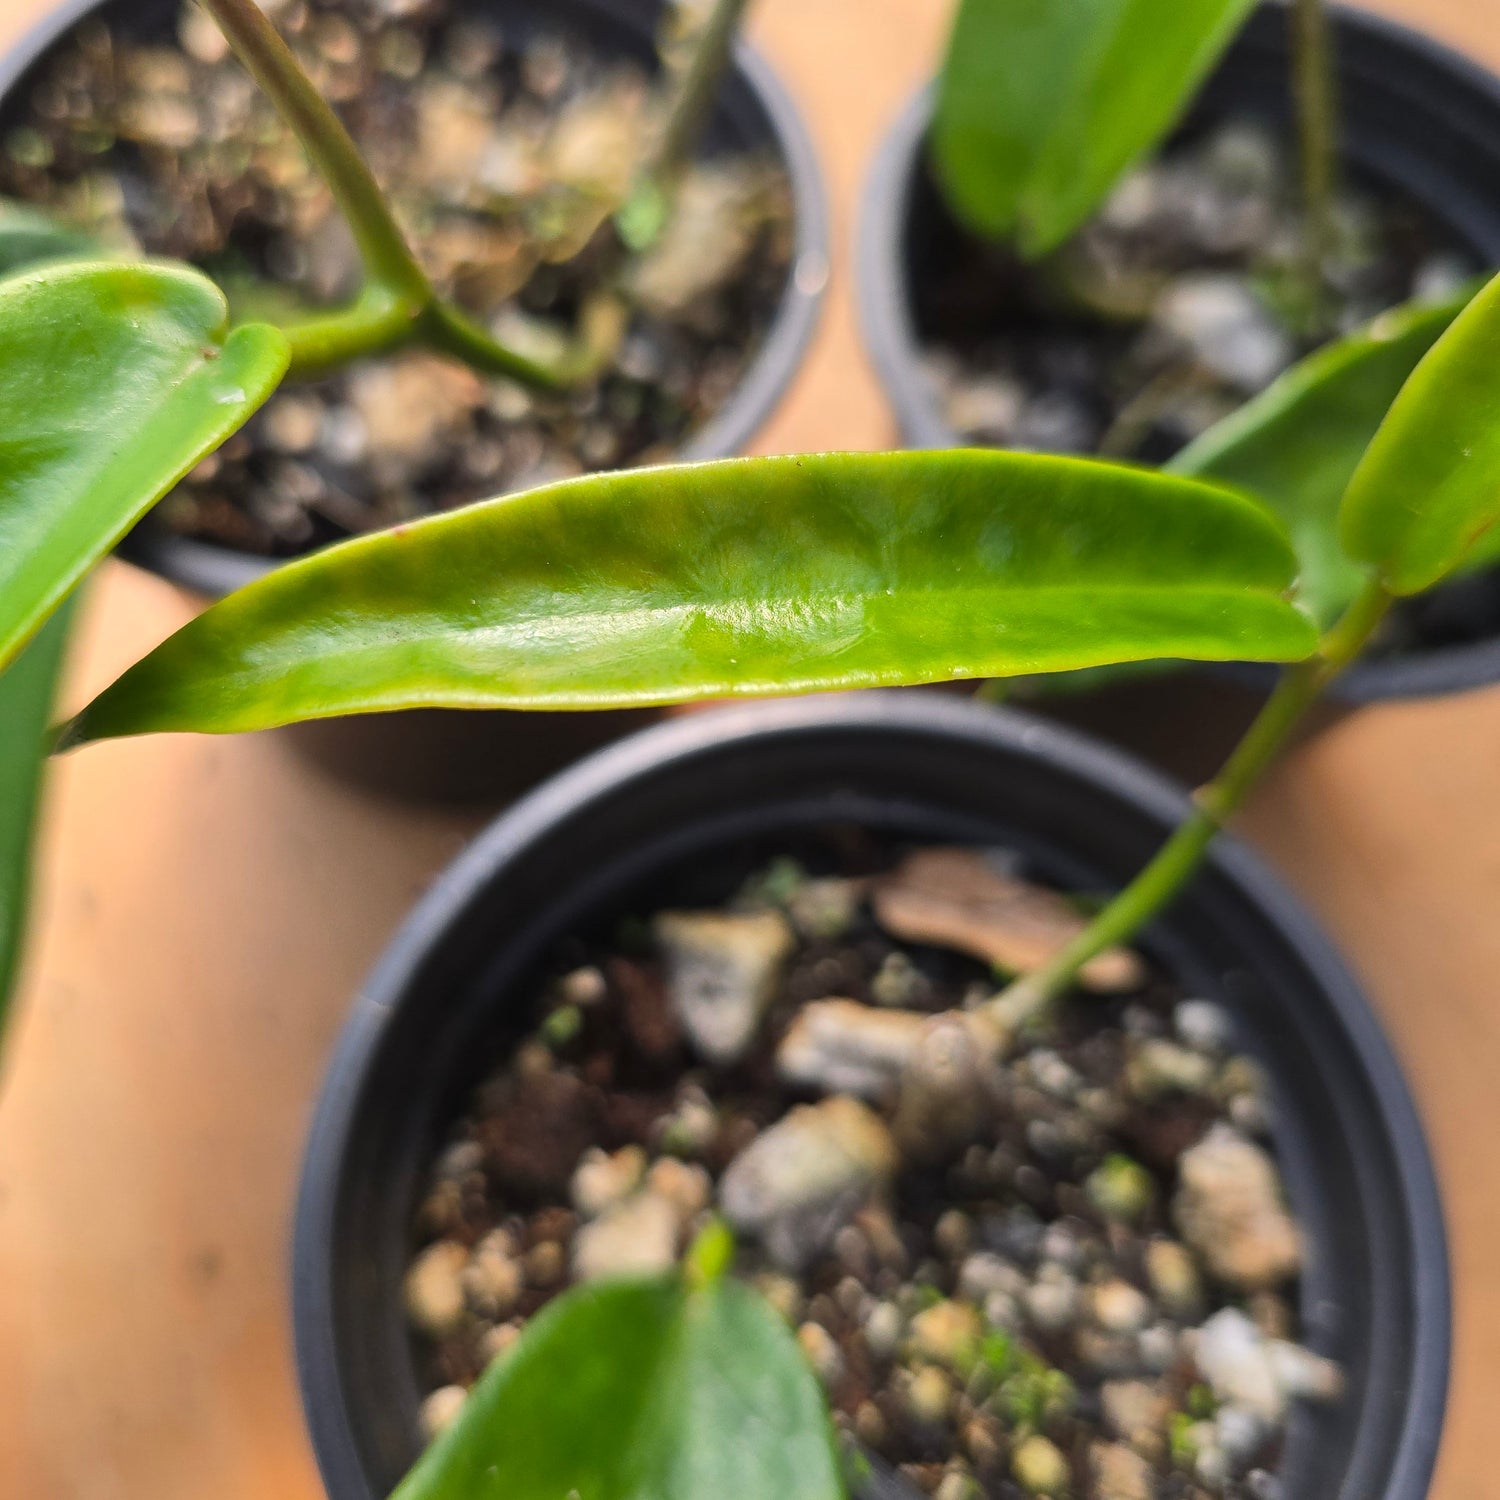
1298 443
28 688
1428 487
745 577
1043 104
114 382
641 1390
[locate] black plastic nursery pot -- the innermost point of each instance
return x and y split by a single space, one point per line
679 814
463 756
1418 120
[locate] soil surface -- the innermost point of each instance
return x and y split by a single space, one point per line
1183 298
504 155
1037 1260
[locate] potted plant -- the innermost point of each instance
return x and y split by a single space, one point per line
541 909
759 577
1163 286
505 136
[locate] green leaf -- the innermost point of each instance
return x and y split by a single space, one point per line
115 381
1298 443
746 577
28 237
1043 104
28 688
1428 487
640 1390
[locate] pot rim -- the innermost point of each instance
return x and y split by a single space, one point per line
213 570
891 343
685 739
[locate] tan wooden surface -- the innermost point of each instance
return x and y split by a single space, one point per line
208 905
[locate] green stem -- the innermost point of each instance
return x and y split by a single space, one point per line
647 209
1315 90
695 91
1179 857
445 328
375 324
399 304
388 259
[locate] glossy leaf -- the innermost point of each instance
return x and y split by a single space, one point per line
740 578
28 688
640 1390
28 237
1042 105
1296 445
115 381
1428 487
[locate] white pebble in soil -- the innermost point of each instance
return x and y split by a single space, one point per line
1157 1067
947 1333
722 971
1120 1473
1158 1347
583 987
494 1342
1203 1026
1228 329
988 408
825 908
841 1046
692 1127
1260 1375
929 1397
884 1328
1051 1301
822 1352
1062 1242
603 1179
1229 1208
784 1294
800 1181
440 1410
1118 1307
1136 1412
1039 1467
1051 1073
958 1486
984 1274
686 1187
1239 1433
1174 1278
434 1289
493 1278
637 1237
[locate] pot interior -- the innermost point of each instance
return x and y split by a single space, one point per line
679 817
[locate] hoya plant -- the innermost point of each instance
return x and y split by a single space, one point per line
740 578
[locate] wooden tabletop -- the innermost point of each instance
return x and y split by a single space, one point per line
207 906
